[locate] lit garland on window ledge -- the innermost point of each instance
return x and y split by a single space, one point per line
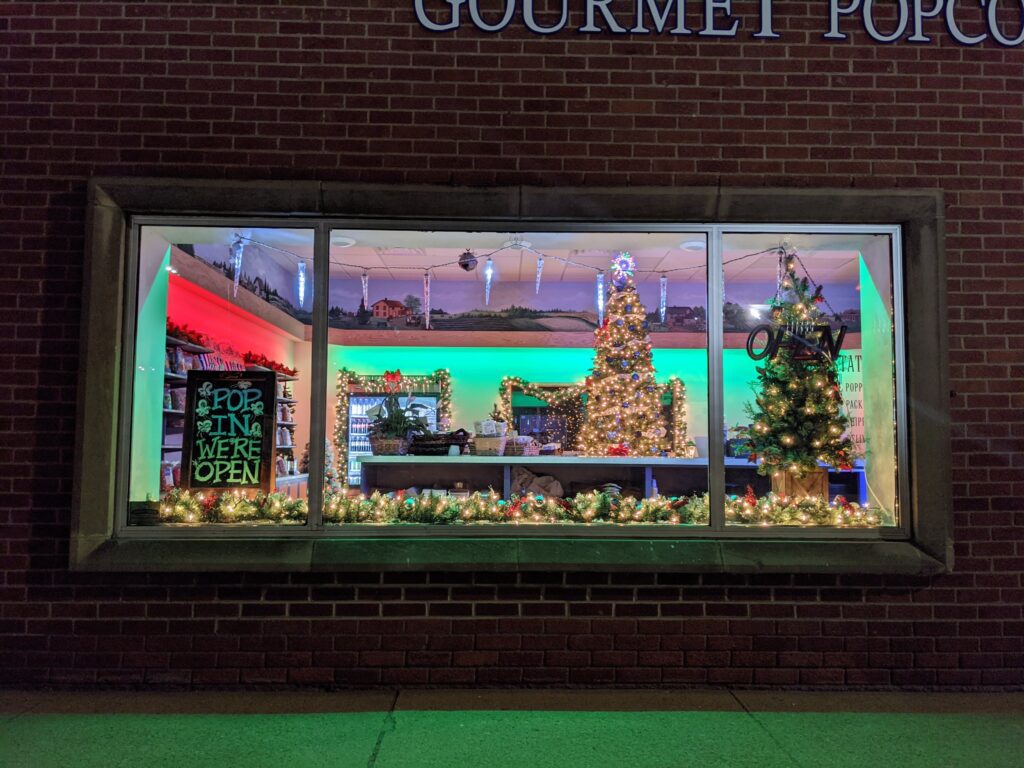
440 382
593 508
181 506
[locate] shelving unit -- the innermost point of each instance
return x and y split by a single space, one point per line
288 480
183 356
179 358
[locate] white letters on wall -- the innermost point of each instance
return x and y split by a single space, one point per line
659 16
478 19
711 8
426 21
901 24
968 22
531 24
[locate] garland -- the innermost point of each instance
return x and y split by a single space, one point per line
253 358
488 508
593 508
186 334
440 381
681 445
181 506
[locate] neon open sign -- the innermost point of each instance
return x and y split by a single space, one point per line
968 22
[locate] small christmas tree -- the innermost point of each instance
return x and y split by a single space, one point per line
797 419
623 411
330 472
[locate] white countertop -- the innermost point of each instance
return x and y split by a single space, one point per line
626 461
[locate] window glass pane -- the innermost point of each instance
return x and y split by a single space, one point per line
221 386
809 380
497 378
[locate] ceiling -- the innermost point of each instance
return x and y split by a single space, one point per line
569 256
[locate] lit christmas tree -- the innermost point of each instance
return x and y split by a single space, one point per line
624 416
797 420
330 473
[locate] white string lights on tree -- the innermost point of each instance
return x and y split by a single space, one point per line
301 284
663 298
365 278
540 271
488 277
237 251
426 300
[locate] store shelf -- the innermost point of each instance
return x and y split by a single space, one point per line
170 412
188 346
283 480
286 424
170 449
176 377
280 376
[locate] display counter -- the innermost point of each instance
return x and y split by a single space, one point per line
479 473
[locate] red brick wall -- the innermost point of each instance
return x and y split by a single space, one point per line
350 90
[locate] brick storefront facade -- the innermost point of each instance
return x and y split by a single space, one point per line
356 90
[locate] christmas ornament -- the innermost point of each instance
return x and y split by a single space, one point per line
600 298
426 300
488 277
301 283
540 270
237 251
467 261
623 267
662 300
365 279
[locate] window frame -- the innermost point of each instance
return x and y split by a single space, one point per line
119 208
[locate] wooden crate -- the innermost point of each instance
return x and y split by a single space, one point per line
814 483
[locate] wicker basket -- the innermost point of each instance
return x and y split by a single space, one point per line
522 449
489 446
439 443
388 446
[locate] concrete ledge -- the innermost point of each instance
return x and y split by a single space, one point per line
314 553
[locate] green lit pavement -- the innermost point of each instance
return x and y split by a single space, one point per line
511 728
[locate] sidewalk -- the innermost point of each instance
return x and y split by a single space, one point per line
511 728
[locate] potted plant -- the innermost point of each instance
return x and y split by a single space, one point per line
391 425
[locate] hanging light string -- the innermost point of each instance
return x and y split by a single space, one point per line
524 247
563 259
811 280
520 246
273 248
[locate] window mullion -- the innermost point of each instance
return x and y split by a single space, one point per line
716 396
318 386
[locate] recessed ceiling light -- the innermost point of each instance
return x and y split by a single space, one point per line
693 245
342 242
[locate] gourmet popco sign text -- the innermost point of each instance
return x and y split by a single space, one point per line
969 22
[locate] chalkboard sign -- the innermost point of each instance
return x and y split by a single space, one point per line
229 430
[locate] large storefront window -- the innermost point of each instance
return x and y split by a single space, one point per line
544 379
524 378
809 379
220 413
